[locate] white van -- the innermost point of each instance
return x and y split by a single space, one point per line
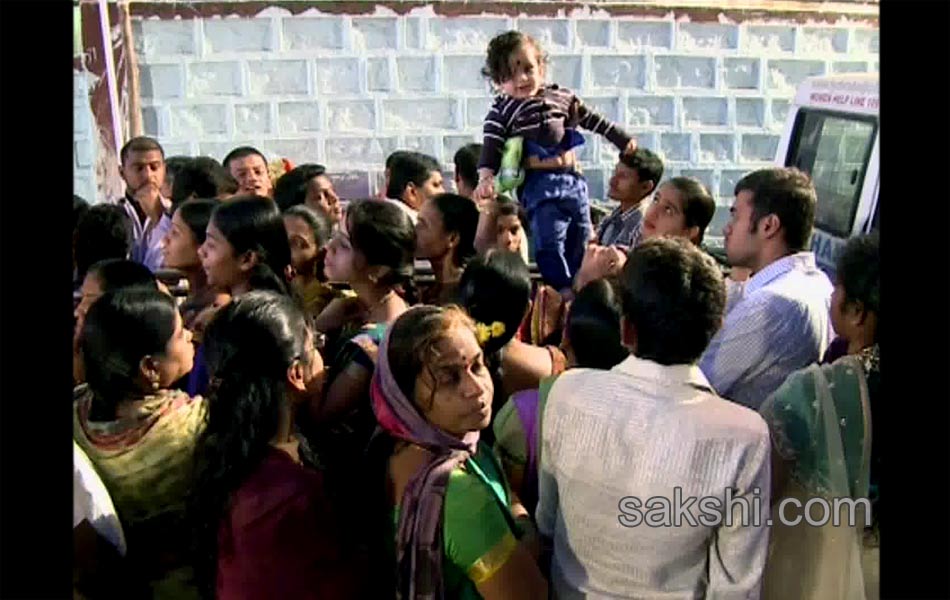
831 133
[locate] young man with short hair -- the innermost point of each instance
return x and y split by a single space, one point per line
249 167
776 321
142 167
618 445
635 177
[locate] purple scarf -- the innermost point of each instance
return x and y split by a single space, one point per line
419 545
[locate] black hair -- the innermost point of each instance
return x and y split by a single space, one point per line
788 194
466 163
80 207
248 346
859 272
385 236
117 273
317 221
201 177
141 143
497 62
593 326
411 167
673 297
104 231
459 215
121 328
241 152
196 214
253 223
496 288
646 163
396 155
698 205
290 189
175 164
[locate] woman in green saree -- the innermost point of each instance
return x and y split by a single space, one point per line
820 421
457 529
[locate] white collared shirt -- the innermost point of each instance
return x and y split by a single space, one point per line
641 430
411 212
148 235
777 323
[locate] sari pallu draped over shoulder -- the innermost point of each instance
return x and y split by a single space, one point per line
419 541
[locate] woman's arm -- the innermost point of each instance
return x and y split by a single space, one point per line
519 578
523 366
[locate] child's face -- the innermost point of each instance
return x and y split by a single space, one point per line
527 73
508 233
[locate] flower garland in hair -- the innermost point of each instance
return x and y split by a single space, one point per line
486 332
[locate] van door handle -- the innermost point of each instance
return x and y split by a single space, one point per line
854 177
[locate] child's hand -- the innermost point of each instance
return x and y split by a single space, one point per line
631 147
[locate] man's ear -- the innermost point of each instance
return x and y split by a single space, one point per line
649 186
693 233
770 225
452 240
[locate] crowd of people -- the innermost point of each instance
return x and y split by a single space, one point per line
270 403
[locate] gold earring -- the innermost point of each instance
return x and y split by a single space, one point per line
155 384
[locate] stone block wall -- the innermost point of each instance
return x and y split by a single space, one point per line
345 90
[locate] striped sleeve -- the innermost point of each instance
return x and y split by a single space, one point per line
593 121
495 133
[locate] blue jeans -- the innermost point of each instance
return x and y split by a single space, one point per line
559 212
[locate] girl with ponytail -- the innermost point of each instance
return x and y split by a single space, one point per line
263 525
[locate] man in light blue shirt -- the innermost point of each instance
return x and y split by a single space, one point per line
777 321
143 170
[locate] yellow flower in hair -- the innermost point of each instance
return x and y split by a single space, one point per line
497 329
483 333
486 332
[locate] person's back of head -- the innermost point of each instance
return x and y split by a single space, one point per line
250 347
201 177
466 168
117 273
698 206
496 289
80 206
647 164
291 188
122 329
254 224
673 300
787 193
104 231
593 326
858 275
459 216
409 168
173 166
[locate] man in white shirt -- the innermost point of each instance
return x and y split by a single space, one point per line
617 445
143 171
777 321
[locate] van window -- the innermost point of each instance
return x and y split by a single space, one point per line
834 149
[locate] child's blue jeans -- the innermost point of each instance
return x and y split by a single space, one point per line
559 212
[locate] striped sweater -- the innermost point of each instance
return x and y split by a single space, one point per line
543 119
